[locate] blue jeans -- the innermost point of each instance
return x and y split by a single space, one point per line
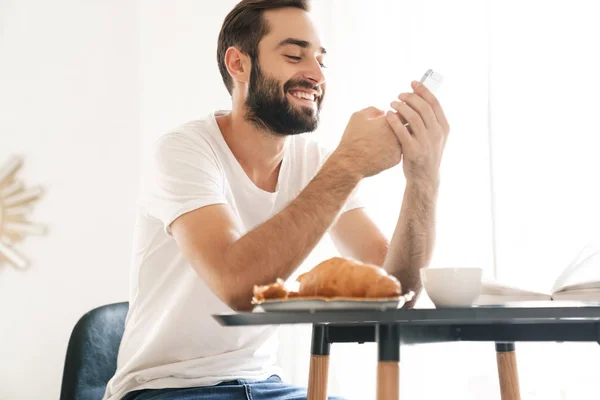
270 389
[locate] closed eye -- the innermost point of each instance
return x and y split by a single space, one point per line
296 58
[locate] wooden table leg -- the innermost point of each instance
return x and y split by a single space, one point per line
388 366
319 364
507 371
388 380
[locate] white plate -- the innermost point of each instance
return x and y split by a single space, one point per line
317 304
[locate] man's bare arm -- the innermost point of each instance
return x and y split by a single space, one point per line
423 146
413 241
356 236
231 264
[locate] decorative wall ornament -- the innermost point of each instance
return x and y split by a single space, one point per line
16 203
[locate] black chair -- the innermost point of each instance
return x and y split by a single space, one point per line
92 352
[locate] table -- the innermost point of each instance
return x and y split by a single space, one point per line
534 322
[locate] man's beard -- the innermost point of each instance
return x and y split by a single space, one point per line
269 109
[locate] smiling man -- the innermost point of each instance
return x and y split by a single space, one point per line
241 197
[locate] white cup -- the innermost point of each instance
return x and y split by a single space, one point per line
452 287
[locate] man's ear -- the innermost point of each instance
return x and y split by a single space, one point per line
238 64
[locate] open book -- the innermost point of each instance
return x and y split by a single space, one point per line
580 281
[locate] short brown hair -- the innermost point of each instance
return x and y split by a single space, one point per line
245 26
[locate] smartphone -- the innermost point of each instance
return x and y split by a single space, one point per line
432 80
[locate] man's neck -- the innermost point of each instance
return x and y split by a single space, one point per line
258 152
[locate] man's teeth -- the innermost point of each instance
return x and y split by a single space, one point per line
303 95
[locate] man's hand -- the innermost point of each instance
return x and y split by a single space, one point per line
424 139
369 144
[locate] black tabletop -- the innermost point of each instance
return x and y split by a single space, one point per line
540 313
539 321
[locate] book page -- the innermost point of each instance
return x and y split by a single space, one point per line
583 273
583 295
492 290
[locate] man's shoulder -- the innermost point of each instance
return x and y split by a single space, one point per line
192 137
196 131
183 151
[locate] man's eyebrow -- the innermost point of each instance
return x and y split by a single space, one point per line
297 42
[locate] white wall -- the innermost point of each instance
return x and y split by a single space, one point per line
69 103
178 63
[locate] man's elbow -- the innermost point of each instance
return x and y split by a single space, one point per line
238 302
225 287
375 253
236 298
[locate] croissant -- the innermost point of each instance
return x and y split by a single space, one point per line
339 277
273 291
336 277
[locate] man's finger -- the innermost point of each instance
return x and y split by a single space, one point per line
430 98
419 104
399 129
411 116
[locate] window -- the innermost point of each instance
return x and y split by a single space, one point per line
520 192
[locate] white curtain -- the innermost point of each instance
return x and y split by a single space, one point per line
523 76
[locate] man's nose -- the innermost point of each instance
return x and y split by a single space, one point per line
315 73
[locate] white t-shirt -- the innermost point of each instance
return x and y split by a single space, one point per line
171 339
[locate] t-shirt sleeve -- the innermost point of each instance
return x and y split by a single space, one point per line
356 200
182 175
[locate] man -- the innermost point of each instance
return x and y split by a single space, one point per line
241 198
